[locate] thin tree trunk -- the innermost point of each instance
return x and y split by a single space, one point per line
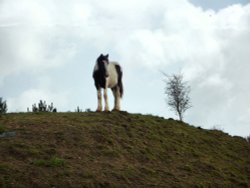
180 115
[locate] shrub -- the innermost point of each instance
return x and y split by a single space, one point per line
88 110
3 106
217 128
248 138
43 107
78 109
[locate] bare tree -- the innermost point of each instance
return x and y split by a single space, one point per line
177 92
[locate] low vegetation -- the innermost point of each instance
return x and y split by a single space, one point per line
248 138
52 162
3 106
2 128
118 150
43 107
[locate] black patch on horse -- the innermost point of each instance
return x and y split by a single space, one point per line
119 72
100 73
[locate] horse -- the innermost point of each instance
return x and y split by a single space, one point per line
108 75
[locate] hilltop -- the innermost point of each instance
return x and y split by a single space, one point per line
117 150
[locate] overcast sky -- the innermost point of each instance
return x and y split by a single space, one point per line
48 49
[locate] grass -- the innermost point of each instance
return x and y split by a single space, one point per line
2 128
118 150
52 162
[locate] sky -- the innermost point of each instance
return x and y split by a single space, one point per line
48 50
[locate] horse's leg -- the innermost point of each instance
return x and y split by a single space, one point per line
116 94
99 97
118 97
105 95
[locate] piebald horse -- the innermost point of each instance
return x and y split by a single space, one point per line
108 75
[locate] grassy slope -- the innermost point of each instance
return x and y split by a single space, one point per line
118 150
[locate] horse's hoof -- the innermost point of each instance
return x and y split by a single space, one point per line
115 110
106 108
98 110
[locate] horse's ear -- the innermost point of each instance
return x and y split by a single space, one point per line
107 56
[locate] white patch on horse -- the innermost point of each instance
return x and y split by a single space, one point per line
112 79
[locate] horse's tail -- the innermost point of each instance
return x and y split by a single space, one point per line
120 85
121 88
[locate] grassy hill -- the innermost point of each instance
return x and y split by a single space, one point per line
117 150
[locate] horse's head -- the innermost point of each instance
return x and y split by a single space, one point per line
103 62
103 58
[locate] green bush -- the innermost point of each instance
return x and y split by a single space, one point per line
43 107
3 106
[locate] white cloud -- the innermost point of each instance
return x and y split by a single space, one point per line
32 49
33 96
221 90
